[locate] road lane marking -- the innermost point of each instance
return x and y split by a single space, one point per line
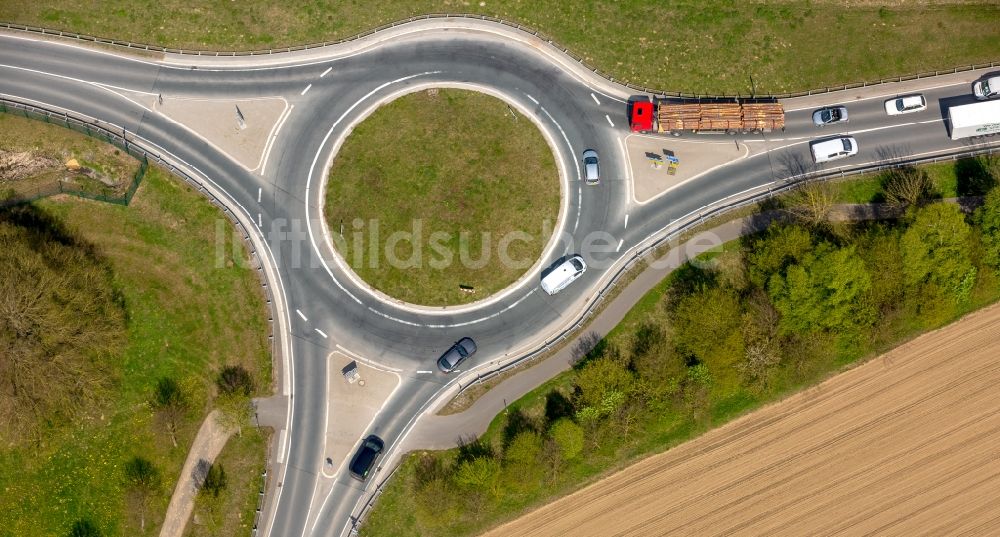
620 243
424 372
274 137
328 69
320 332
607 117
305 90
532 98
260 223
626 221
259 190
300 315
282 439
595 99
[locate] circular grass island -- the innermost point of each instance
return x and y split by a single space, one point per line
442 197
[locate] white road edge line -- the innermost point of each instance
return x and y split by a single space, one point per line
305 90
595 99
328 69
274 137
301 315
320 332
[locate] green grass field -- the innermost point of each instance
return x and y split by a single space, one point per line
457 164
187 317
712 46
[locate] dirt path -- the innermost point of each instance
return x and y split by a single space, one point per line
207 444
907 444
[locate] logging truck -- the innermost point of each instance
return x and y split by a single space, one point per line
675 118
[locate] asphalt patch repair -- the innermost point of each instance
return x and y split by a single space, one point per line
906 444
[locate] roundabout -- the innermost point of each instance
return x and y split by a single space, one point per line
442 197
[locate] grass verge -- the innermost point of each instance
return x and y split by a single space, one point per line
192 307
713 46
440 189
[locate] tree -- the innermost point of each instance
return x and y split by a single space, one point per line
783 245
602 376
524 450
478 473
84 528
235 379
988 219
811 203
235 411
707 328
170 405
143 480
935 249
569 437
827 291
215 480
907 186
62 321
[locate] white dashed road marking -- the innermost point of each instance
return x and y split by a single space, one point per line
305 90
422 372
300 315
328 69
607 117
260 223
620 243
595 99
320 332
259 190
626 221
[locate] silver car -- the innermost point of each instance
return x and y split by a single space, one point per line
592 169
830 115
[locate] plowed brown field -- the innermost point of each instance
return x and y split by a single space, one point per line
907 444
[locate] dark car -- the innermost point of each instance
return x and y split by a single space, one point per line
457 354
366 457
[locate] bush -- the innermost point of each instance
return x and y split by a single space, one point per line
215 480
569 437
84 528
235 379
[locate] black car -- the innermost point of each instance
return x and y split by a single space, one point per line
457 354
366 457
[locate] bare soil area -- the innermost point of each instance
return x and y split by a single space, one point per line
906 444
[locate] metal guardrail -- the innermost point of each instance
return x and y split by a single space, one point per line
511 24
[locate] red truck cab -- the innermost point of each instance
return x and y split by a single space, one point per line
640 115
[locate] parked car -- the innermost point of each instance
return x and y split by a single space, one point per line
987 88
366 457
563 274
830 115
457 354
834 148
905 105
591 167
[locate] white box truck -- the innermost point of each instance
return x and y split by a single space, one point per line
979 119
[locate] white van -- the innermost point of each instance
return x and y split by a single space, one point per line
833 149
563 275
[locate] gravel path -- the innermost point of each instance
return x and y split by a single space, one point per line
207 444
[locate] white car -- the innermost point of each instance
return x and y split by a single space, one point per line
833 149
988 88
905 104
591 167
563 274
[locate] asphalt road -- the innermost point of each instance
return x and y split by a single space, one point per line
326 308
